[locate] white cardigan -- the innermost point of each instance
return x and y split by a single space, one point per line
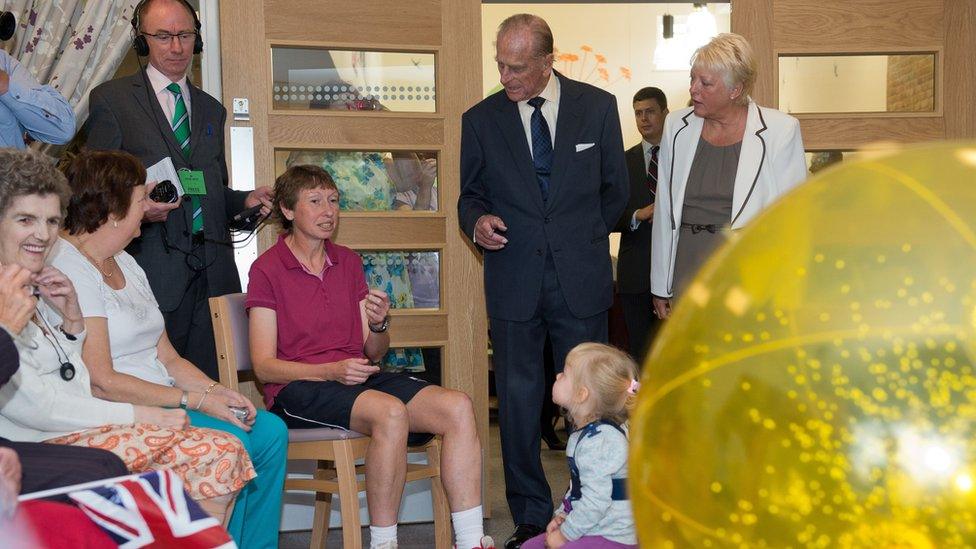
771 162
37 405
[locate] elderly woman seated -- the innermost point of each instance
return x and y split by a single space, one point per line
49 398
316 332
40 466
127 349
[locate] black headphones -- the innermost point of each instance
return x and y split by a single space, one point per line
141 45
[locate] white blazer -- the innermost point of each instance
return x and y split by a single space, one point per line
771 162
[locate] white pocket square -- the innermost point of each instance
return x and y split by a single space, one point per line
580 147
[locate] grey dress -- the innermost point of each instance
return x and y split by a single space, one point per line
707 202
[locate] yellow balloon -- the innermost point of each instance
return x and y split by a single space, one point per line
814 387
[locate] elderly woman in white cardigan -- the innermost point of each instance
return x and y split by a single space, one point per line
49 398
722 161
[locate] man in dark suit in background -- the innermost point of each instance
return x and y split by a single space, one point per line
185 246
542 183
634 258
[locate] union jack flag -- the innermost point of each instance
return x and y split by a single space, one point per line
152 511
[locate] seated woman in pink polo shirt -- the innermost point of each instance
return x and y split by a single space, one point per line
316 332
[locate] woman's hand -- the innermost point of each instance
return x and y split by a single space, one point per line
219 402
58 292
662 306
171 418
351 371
377 307
16 300
428 173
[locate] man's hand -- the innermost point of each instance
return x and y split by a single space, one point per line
262 196
486 232
157 212
646 213
4 82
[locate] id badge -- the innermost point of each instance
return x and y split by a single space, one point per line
192 181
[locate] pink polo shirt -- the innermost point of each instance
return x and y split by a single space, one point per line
318 319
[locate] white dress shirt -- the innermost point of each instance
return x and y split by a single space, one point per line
166 99
550 110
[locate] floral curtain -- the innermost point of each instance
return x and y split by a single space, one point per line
73 45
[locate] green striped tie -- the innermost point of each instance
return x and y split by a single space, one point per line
181 129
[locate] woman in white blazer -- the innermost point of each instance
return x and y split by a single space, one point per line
722 161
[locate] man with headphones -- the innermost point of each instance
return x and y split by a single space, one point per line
185 247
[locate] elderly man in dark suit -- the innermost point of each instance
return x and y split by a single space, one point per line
543 180
634 226
185 247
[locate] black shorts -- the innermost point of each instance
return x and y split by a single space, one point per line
317 404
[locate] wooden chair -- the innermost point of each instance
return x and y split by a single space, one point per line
335 451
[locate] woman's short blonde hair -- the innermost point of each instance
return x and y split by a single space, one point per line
731 56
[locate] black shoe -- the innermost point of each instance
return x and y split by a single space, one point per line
552 440
522 533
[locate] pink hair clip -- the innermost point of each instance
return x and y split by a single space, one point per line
634 387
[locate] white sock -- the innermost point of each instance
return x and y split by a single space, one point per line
468 527
379 535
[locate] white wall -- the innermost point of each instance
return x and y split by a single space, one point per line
833 84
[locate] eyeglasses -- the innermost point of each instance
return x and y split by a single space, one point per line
164 38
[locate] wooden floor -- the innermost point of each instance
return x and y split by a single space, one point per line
421 536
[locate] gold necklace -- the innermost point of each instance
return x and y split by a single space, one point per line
95 263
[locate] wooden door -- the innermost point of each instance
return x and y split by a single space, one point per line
296 112
945 30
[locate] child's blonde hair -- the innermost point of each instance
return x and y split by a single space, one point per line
610 377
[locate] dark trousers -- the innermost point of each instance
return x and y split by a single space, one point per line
642 325
520 383
47 466
190 328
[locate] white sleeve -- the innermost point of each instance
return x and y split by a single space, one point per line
33 398
84 276
661 229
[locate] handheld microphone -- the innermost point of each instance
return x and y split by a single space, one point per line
246 220
8 25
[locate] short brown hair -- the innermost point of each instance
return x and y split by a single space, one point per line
26 172
291 183
101 185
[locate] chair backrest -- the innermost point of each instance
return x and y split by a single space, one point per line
230 326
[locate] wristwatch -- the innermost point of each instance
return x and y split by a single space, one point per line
384 326
185 400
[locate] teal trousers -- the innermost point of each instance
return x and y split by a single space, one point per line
257 510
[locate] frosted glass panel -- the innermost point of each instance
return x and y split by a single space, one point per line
355 80
857 83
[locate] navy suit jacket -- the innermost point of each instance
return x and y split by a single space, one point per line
125 115
634 257
588 190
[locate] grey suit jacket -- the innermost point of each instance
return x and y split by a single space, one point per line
588 191
125 115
